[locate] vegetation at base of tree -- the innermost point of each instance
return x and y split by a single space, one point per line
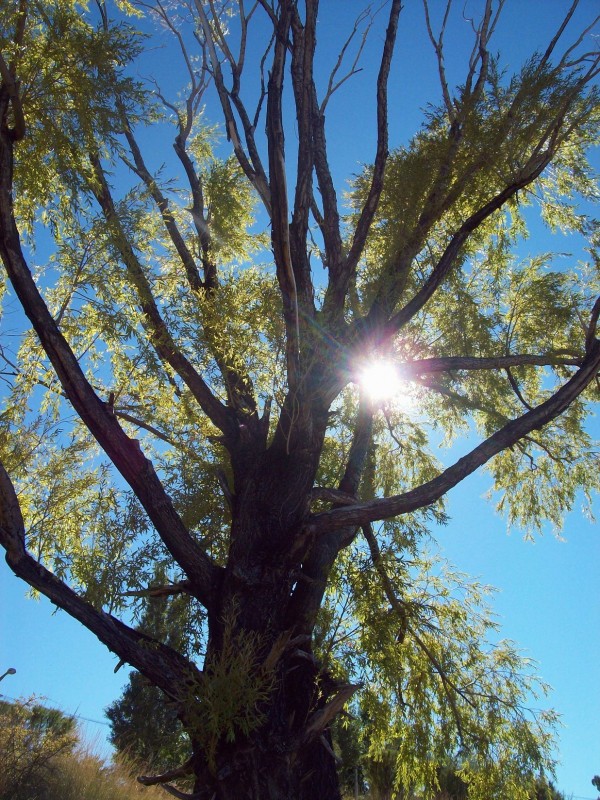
183 391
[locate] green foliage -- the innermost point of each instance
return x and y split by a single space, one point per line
68 98
440 687
32 739
43 758
439 684
230 697
495 303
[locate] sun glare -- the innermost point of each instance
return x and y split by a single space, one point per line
383 383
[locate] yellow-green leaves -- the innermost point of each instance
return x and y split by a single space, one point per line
68 72
441 688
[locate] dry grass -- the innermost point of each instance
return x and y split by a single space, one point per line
84 776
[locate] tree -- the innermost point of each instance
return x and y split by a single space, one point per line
190 388
43 758
32 740
145 729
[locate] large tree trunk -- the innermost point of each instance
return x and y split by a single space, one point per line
273 762
288 754
255 638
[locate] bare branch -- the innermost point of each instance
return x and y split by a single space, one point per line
125 415
550 49
332 495
322 718
438 45
183 587
170 775
341 276
457 363
333 85
516 389
480 52
253 168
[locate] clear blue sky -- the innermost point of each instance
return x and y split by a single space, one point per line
548 597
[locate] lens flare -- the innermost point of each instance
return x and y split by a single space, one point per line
383 382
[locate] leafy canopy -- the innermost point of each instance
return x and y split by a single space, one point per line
168 279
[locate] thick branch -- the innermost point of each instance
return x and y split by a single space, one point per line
162 665
124 452
428 493
303 50
280 229
359 449
316 567
427 366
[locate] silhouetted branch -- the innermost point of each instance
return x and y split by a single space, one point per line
428 493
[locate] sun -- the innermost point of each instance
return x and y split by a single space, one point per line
382 382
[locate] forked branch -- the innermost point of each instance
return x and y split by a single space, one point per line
252 166
430 492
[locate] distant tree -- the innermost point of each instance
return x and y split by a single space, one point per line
32 738
596 782
190 378
145 728
345 733
545 790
